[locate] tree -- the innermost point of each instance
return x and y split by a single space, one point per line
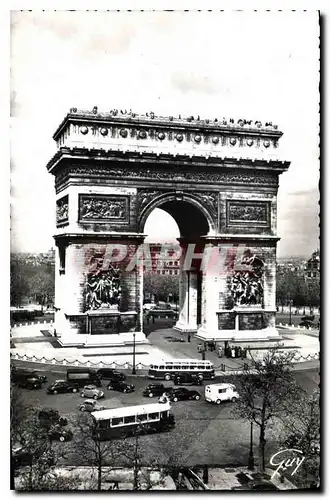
42 285
96 453
19 284
19 412
161 286
302 432
148 471
35 442
18 415
266 392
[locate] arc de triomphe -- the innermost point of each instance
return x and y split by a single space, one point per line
218 179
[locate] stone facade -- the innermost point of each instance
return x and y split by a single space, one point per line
218 178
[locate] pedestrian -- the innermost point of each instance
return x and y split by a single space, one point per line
220 352
232 352
236 351
239 352
189 337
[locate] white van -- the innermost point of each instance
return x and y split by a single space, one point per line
217 393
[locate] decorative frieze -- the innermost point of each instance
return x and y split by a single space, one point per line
62 210
103 208
184 175
248 212
145 196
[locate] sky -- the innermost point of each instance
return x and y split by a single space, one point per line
256 65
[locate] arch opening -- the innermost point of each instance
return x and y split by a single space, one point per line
191 224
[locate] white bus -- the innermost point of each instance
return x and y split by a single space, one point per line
166 370
217 393
129 420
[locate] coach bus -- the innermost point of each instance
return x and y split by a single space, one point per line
166 370
131 420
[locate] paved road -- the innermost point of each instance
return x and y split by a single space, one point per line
204 433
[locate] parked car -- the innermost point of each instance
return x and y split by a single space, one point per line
21 457
217 393
61 386
154 390
120 386
148 306
309 324
20 373
182 394
28 383
110 374
91 391
187 379
161 310
50 416
90 405
57 433
27 379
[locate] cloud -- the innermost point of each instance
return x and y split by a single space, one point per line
298 223
192 82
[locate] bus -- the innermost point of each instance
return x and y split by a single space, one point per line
131 420
166 370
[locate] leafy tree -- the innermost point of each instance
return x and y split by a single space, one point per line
43 285
35 442
19 284
302 432
96 453
19 411
266 393
161 286
28 281
148 469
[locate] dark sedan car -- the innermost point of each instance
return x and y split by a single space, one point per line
21 457
110 374
187 378
28 383
21 375
182 394
49 417
57 433
62 386
154 390
120 386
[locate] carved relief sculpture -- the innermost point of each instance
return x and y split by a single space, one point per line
246 285
62 210
247 212
102 289
103 208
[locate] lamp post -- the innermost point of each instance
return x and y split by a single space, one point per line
290 304
133 369
251 457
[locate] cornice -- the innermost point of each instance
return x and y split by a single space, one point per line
163 158
129 118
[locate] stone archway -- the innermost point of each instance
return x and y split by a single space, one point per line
195 221
217 178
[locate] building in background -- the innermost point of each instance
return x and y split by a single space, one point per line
168 265
312 268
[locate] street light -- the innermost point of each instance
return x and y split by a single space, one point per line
290 304
251 457
133 369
